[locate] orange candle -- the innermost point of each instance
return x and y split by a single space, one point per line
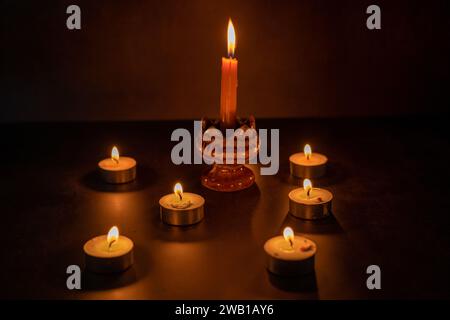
229 83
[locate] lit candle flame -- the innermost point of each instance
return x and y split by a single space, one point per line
178 190
307 151
307 185
231 39
115 154
288 235
113 236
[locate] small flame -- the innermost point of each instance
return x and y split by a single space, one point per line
231 39
307 185
178 190
307 151
115 154
288 235
113 236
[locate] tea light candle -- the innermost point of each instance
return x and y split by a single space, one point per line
117 169
290 254
181 209
310 203
108 253
308 164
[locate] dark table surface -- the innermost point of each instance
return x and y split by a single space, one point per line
391 205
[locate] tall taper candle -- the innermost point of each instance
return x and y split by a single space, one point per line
229 83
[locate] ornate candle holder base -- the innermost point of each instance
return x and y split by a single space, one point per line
229 177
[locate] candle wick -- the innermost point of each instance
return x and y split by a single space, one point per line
291 243
179 194
308 192
116 160
110 244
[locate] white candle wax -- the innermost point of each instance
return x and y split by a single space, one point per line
315 205
290 258
308 164
181 208
101 257
117 169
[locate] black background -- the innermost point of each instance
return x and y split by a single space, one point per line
140 60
